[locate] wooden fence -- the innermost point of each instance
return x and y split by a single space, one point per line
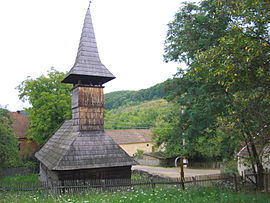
193 164
74 186
251 178
19 171
149 162
141 181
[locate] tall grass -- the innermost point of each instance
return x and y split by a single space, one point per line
161 194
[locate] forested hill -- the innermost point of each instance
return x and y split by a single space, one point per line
144 115
116 99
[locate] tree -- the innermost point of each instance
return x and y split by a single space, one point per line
227 49
9 153
195 28
50 100
201 122
167 131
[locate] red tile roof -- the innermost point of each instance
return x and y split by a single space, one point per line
20 124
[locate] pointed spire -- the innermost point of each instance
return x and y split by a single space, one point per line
89 4
88 68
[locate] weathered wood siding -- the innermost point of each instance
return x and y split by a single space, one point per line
123 172
91 97
87 108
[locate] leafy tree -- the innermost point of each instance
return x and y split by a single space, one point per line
167 131
227 49
195 28
9 153
50 100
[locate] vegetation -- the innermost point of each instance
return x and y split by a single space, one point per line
225 89
216 105
118 99
162 194
50 100
144 115
9 154
19 179
139 154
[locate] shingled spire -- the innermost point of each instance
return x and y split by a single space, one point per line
80 149
88 69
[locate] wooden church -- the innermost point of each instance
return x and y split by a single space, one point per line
80 149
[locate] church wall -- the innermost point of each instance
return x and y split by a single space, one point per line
123 172
46 175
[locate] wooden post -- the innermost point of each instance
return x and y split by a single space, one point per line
103 185
266 181
235 182
153 185
194 181
182 175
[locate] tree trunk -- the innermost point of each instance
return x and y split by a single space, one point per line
260 170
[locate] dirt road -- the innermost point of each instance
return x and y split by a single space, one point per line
174 172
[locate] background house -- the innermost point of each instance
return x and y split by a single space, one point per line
20 125
243 156
132 140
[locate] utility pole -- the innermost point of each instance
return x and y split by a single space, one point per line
183 137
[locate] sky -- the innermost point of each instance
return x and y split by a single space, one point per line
36 35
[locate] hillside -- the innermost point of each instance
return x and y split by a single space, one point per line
117 99
144 115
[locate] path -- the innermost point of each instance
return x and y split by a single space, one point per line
174 172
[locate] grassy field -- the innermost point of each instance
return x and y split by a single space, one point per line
162 193
20 179
173 194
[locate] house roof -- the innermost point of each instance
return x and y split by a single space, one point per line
20 124
70 150
261 150
88 68
130 136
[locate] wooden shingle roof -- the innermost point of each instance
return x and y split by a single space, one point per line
88 68
71 150
130 136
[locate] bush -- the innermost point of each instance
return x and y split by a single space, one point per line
139 154
229 166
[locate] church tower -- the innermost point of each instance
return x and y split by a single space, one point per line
80 149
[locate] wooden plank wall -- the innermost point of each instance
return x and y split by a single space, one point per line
87 108
123 172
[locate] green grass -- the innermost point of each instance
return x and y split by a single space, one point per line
34 178
20 179
162 193
174 194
